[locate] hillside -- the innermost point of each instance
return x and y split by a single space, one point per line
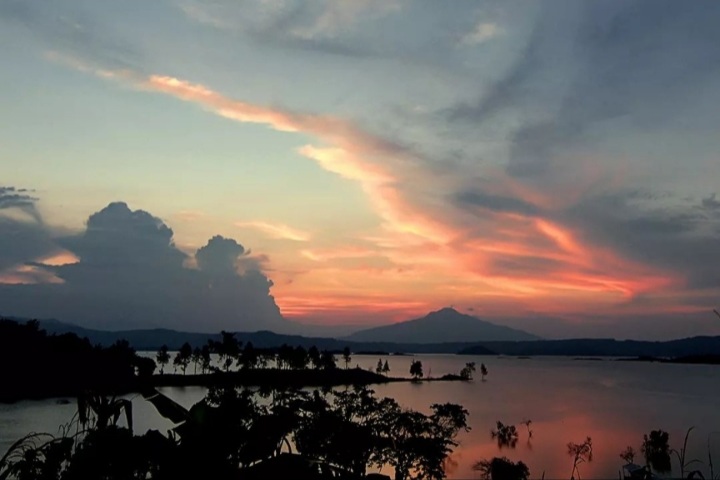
603 347
445 325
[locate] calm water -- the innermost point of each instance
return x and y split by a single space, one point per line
567 400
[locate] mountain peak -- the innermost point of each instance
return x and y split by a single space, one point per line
444 325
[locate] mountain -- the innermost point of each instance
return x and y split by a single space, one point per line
445 325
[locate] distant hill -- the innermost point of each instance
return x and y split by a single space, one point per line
683 347
445 325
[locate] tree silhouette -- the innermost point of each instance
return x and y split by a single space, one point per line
205 358
506 435
227 349
483 371
527 424
386 368
196 358
656 450
502 469
314 357
183 357
163 358
327 360
467 371
628 454
379 367
416 369
346 356
249 357
581 453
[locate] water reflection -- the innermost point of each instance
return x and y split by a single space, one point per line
565 400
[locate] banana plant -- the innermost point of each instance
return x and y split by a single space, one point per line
104 410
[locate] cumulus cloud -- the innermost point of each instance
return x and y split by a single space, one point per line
130 274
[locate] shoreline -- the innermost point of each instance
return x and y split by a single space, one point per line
268 378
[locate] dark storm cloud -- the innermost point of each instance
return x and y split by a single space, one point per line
130 274
680 238
638 61
24 237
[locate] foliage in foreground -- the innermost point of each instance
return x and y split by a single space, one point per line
233 431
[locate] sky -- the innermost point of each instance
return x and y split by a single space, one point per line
552 166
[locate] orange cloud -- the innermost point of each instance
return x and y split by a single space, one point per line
458 255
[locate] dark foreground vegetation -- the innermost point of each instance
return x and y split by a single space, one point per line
235 433
37 365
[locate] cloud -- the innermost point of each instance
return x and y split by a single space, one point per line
711 203
338 253
676 238
66 27
277 230
325 26
610 61
482 32
23 235
129 274
219 256
550 231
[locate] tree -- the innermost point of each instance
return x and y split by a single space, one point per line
183 356
502 469
628 454
163 358
327 360
467 371
418 442
527 423
379 367
483 371
205 358
581 453
656 450
249 357
196 358
416 369
386 368
506 435
314 357
228 349
346 356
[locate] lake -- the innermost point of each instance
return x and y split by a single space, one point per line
614 402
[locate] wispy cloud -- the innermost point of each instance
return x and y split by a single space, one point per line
277 230
337 253
482 32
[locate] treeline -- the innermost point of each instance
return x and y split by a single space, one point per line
38 365
233 354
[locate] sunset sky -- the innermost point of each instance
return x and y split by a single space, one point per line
551 166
